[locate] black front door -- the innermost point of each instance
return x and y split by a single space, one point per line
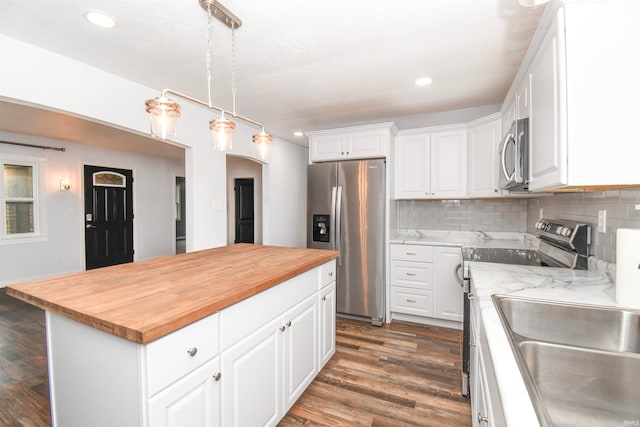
108 215
244 210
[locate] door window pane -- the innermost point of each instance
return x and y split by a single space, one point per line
18 181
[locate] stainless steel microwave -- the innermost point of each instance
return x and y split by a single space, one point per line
514 157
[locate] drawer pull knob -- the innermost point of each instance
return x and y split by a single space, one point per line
482 419
330 273
282 328
217 376
411 300
411 274
192 351
324 298
289 323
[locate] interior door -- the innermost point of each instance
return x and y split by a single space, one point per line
108 210
244 217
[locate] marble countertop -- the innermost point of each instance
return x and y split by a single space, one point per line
476 239
557 284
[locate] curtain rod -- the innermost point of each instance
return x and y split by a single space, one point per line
43 147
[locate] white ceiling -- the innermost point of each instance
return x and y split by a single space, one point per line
302 65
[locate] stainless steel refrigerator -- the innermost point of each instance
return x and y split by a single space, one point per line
345 209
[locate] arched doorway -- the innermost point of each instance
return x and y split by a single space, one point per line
243 175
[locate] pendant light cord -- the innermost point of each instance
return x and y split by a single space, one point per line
209 56
233 66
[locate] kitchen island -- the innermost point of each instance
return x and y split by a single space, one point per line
226 336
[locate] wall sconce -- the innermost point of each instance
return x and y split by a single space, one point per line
65 184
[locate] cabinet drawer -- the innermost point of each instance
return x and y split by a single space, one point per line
168 358
412 301
327 273
412 253
412 274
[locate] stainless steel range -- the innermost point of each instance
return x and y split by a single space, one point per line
562 244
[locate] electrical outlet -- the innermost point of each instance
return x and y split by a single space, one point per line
602 221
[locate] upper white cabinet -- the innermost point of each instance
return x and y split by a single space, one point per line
358 142
484 137
584 96
431 163
523 104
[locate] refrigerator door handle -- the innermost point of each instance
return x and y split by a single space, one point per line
332 218
338 227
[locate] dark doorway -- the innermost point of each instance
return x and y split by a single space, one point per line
108 211
181 216
244 219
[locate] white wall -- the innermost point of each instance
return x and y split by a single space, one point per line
80 89
62 250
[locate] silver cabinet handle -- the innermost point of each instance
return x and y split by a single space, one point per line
411 300
217 376
470 296
289 323
282 328
330 273
411 253
482 419
324 298
411 274
192 351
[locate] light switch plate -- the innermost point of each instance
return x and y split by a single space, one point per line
602 221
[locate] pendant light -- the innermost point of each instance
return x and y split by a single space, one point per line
165 112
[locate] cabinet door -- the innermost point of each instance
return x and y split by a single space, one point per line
252 378
483 159
192 401
509 115
522 99
412 162
300 349
449 293
548 145
364 145
449 164
325 148
327 323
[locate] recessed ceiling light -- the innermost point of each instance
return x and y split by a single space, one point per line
424 81
100 19
298 133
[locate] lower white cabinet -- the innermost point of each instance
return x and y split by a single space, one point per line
192 401
449 293
423 281
327 322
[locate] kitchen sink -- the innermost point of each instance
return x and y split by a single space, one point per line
581 364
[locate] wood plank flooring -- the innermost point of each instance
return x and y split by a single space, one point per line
395 375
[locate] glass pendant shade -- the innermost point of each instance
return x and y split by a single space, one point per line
164 117
263 142
222 133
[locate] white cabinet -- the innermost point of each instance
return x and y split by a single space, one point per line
192 401
523 103
548 146
484 138
359 142
267 371
423 282
509 114
327 323
449 293
584 96
431 163
252 382
486 405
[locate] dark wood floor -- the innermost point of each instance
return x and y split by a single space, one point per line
398 374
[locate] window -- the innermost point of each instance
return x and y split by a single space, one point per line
19 208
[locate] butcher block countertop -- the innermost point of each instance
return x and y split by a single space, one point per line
145 300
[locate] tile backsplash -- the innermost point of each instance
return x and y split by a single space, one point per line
520 215
463 215
583 207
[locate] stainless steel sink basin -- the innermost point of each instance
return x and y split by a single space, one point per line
581 364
